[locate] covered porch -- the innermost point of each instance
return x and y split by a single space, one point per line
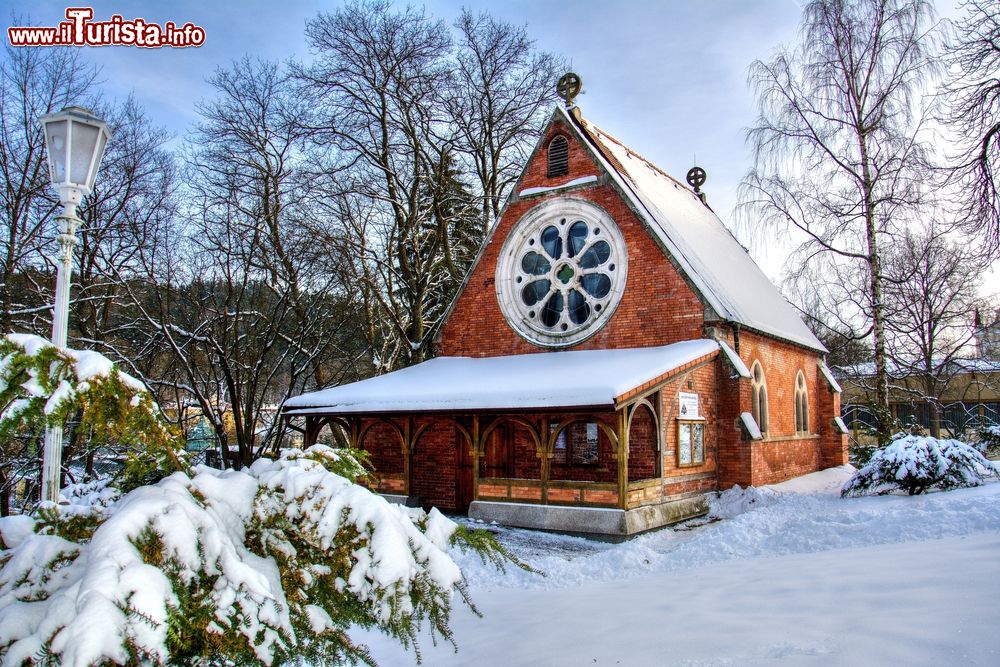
563 440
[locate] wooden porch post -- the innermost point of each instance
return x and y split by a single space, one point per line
623 457
354 435
311 433
407 441
545 456
475 456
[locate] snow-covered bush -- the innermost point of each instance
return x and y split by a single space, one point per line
43 385
261 566
989 439
915 463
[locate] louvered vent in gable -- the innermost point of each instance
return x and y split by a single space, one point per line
558 156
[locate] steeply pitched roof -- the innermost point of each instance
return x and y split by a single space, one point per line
576 378
714 261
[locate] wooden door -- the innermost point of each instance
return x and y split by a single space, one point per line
498 454
464 481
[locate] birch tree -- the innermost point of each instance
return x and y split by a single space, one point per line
973 101
837 149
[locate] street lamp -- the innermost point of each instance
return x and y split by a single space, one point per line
75 139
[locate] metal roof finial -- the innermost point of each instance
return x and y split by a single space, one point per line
569 87
696 178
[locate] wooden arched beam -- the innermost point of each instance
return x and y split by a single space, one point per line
515 420
327 421
444 418
656 420
382 420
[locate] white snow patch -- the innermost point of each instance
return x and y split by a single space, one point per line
801 577
751 425
828 374
583 180
838 421
738 365
31 343
63 392
202 522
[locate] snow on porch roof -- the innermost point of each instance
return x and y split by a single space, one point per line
541 380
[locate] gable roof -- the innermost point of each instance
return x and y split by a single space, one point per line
716 263
566 379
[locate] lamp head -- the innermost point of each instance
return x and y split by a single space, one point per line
75 139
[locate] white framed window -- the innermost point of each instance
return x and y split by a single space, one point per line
758 407
801 405
690 443
561 272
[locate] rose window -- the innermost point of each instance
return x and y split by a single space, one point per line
561 272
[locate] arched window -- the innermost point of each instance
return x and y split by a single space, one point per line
558 156
801 405
759 406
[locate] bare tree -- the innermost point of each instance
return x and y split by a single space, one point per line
131 194
423 138
240 294
33 82
973 99
377 84
931 292
838 158
503 88
134 194
826 296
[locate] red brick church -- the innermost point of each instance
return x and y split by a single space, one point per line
613 355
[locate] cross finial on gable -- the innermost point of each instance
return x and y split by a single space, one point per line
569 87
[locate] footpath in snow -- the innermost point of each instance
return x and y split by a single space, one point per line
790 575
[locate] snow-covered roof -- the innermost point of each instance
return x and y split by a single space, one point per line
548 380
841 426
902 370
711 257
734 359
750 424
828 374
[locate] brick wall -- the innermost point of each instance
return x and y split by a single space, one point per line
433 466
833 444
383 445
702 381
642 445
783 453
657 308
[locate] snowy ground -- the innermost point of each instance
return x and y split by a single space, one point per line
794 576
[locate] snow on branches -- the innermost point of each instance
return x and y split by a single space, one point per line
259 566
43 385
915 464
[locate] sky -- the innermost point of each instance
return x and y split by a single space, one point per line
668 78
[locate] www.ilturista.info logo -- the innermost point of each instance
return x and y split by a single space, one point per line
80 30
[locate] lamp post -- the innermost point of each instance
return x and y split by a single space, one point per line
75 139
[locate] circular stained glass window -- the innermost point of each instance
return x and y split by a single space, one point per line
561 272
